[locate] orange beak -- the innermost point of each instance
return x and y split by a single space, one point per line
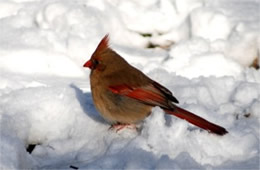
88 64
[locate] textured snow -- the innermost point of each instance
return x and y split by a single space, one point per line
203 50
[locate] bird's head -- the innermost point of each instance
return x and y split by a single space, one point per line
105 60
96 60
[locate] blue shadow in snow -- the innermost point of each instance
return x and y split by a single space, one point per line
86 103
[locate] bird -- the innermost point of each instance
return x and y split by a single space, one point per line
124 95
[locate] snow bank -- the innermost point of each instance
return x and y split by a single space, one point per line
195 58
210 24
39 63
202 53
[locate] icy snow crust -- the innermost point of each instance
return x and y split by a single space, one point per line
45 97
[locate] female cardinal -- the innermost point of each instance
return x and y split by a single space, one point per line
124 95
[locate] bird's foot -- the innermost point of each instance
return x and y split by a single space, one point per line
119 127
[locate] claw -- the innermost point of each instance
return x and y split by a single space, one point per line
119 127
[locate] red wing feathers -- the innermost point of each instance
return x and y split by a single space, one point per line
121 89
147 94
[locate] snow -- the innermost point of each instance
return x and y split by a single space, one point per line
209 24
203 50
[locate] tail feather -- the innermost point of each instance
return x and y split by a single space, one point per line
198 121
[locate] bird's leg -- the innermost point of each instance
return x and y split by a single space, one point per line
120 126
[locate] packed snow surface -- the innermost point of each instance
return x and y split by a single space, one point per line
202 53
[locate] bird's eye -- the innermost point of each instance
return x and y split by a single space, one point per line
95 62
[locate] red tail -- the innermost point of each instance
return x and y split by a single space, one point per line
198 121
